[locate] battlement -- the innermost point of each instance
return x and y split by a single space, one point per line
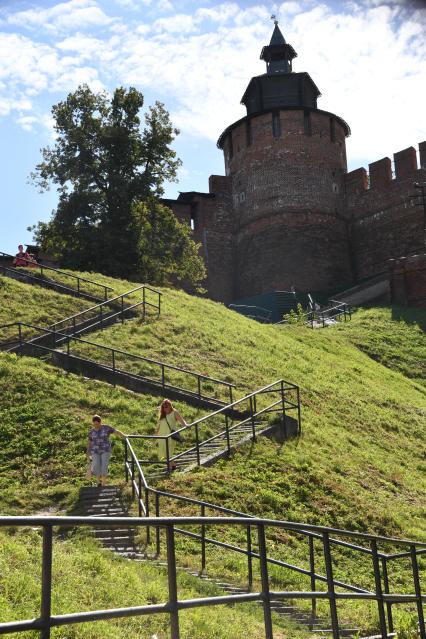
380 172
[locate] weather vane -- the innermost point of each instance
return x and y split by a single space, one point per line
274 18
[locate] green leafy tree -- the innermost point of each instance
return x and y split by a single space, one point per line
109 173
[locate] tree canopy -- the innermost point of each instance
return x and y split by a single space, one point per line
109 173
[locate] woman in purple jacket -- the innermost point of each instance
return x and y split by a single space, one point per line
99 448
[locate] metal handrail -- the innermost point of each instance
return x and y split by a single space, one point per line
108 302
56 270
46 621
227 409
163 366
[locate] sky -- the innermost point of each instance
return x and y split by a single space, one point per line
368 58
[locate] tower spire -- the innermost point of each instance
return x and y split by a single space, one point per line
278 55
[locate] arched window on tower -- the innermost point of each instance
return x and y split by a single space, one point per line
248 133
307 124
332 129
276 124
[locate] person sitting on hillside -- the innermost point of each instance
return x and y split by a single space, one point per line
167 423
22 258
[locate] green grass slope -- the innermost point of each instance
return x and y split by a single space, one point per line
21 302
395 337
359 465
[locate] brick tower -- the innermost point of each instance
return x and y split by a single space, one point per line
287 213
286 159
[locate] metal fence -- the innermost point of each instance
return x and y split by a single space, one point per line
328 538
37 271
243 416
166 377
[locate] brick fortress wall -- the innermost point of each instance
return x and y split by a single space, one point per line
385 211
287 213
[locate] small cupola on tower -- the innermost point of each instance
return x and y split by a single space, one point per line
279 87
278 55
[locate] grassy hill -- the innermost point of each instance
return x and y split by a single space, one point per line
359 464
35 305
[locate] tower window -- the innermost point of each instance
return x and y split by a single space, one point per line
230 147
332 129
307 124
248 133
276 124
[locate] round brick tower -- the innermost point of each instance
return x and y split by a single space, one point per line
286 159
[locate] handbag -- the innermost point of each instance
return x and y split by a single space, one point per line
176 436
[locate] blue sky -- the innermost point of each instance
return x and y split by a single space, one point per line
368 58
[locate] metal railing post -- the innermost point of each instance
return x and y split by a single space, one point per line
46 581
132 474
148 528
265 582
101 318
171 573
140 512
417 590
68 346
20 337
379 591
230 395
228 442
122 309
253 425
78 284
283 406
163 377
159 303
113 360
330 585
386 588
203 541
249 559
199 386
168 455
143 303
313 581
197 445
157 530
299 414
105 293
126 452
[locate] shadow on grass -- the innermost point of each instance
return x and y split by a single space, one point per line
410 316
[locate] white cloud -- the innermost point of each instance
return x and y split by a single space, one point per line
180 23
368 59
75 14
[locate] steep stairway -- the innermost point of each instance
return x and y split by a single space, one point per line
56 280
109 501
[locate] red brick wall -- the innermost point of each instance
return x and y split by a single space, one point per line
408 281
385 212
288 202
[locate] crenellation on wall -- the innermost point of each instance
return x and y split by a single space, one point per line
355 181
380 173
405 162
422 155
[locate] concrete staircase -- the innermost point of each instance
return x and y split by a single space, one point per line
109 501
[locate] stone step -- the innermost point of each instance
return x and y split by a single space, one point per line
105 532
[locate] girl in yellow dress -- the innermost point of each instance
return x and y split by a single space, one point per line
169 420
